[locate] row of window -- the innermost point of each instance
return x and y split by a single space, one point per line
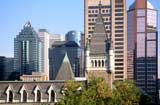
97 11
24 96
104 19
105 23
95 15
98 63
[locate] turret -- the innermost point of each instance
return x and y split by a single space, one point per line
110 56
87 57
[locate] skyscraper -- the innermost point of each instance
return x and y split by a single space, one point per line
114 15
44 36
143 46
27 51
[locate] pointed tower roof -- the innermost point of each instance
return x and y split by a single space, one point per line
65 72
99 36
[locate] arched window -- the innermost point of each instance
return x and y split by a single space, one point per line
24 96
95 63
92 63
99 63
38 96
10 96
52 96
102 63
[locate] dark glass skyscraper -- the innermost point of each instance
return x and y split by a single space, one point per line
27 51
143 46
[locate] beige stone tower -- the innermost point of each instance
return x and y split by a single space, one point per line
114 15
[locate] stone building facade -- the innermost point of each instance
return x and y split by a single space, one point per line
30 93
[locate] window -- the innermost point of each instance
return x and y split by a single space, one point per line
99 63
24 96
117 6
119 14
52 96
141 25
141 12
92 63
102 63
95 63
10 96
118 22
118 18
38 96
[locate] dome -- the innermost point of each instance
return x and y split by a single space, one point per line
149 6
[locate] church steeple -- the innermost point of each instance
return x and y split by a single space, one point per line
99 36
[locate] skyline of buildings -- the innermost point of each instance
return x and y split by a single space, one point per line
117 45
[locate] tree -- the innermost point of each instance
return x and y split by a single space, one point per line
98 92
126 93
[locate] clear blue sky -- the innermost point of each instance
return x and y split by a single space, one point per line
58 16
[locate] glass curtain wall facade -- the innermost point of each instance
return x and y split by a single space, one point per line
27 51
143 47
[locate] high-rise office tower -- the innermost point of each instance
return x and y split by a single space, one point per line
27 51
44 36
114 15
143 46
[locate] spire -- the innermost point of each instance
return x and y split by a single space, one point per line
99 35
65 72
28 24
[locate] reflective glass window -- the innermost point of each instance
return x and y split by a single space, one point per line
140 45
151 48
152 18
141 12
140 24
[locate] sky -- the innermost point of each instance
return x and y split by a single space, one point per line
57 16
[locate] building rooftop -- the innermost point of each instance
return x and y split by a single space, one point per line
149 6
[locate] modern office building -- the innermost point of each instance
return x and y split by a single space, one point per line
143 46
9 73
114 15
27 51
44 37
55 37
2 67
6 68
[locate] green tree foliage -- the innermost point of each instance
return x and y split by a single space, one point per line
97 92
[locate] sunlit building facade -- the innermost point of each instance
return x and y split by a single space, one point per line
143 46
114 15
